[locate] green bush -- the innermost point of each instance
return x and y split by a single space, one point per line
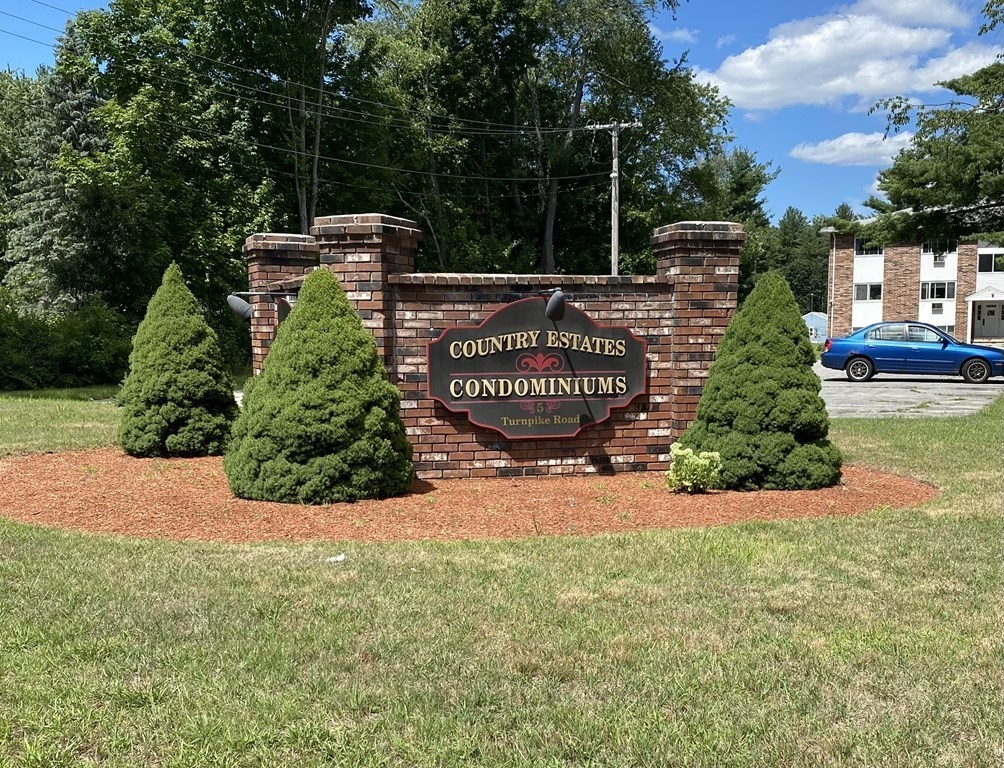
321 423
761 409
27 357
177 399
87 346
91 345
690 472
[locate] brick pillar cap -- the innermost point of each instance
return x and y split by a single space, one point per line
700 226
365 218
275 241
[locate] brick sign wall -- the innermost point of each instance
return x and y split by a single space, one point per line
680 312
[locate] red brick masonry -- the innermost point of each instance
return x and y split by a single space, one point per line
681 312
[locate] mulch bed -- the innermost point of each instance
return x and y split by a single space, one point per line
105 491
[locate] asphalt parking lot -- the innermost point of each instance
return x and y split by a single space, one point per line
904 395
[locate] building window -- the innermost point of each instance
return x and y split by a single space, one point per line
949 329
868 292
991 262
939 248
937 308
937 291
861 250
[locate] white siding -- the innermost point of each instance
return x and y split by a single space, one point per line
931 274
869 269
865 313
947 316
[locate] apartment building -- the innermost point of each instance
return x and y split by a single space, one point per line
957 286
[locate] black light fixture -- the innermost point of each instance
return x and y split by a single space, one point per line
283 304
555 309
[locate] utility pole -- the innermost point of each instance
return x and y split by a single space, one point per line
615 129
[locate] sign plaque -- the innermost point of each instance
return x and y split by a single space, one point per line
530 377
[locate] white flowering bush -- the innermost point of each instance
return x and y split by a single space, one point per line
690 472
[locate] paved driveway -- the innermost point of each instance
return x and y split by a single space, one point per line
904 395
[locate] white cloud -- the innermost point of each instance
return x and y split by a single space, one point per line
853 149
827 59
676 35
724 40
938 13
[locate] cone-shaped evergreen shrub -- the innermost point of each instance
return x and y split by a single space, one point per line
761 408
321 423
177 399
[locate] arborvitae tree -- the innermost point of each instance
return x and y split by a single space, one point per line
761 408
177 399
321 423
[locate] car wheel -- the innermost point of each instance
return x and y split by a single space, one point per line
975 370
859 369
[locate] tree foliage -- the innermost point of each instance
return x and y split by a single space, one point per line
321 423
950 180
48 253
177 399
733 185
761 409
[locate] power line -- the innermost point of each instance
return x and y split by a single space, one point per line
467 177
374 166
29 39
500 128
29 21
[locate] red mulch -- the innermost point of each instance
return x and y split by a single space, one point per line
105 491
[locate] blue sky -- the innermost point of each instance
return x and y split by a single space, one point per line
801 76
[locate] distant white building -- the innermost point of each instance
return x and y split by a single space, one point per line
816 323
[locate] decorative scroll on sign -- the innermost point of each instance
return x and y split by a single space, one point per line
527 376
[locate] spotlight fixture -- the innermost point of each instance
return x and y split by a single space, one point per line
555 309
241 308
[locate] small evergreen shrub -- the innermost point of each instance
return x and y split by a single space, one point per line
321 423
761 409
177 399
690 472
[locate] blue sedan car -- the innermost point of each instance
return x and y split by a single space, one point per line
910 347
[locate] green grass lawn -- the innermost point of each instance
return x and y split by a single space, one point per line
866 641
57 419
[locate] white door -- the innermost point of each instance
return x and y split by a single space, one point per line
988 323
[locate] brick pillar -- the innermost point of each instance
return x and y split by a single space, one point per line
271 258
840 285
965 285
363 250
700 259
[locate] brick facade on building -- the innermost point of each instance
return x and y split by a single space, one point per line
681 312
901 282
841 285
901 273
965 284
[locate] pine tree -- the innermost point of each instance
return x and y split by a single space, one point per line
761 408
321 423
177 399
48 245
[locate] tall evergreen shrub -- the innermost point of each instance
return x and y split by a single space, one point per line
321 423
761 408
177 398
